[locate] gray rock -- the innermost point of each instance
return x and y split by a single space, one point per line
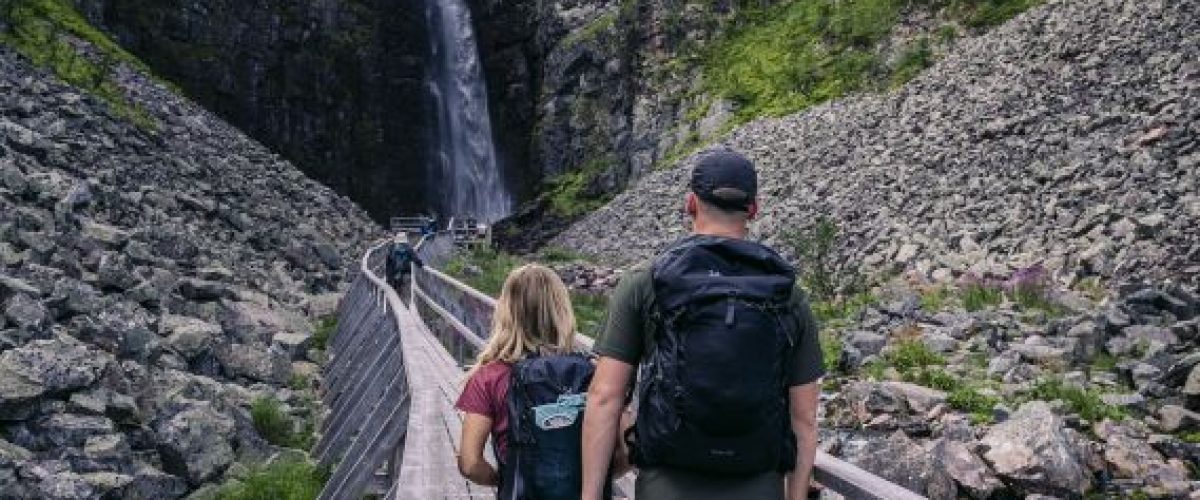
1131 457
1191 387
1147 335
10 285
193 443
109 236
26 312
189 337
257 363
939 342
69 430
57 365
904 462
201 290
868 343
1173 418
1036 452
972 475
294 344
919 398
150 483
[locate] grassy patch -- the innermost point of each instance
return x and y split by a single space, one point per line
1190 437
571 194
934 379
781 59
324 331
41 30
283 480
554 254
1085 402
831 350
936 299
837 311
590 311
912 354
274 425
483 269
970 400
592 30
914 60
976 297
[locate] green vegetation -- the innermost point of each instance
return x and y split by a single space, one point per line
976 297
1190 437
836 311
282 480
558 254
784 58
324 331
935 299
45 31
1036 300
298 382
483 269
571 194
831 350
601 24
1085 402
591 309
970 400
913 61
912 354
274 425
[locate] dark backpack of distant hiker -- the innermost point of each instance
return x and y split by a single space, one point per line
546 398
712 387
400 258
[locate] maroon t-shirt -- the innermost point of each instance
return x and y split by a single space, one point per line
485 394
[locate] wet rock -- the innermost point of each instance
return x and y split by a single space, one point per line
1035 451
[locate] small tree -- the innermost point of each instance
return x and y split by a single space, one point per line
819 271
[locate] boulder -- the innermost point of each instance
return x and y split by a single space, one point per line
64 430
294 344
1149 335
255 362
109 236
1036 452
972 475
904 462
1130 456
920 398
1174 418
26 312
189 337
193 442
58 365
867 343
150 483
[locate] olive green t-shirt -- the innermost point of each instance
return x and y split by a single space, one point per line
623 339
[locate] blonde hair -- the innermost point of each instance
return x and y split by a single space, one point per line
533 314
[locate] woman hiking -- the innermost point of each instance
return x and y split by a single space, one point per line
527 393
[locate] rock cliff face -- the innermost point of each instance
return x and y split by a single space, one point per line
336 87
1066 137
153 283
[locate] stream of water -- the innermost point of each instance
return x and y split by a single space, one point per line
465 171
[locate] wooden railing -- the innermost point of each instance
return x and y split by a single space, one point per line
395 372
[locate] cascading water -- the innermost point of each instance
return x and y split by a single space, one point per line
465 158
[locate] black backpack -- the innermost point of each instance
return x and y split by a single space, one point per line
712 391
546 398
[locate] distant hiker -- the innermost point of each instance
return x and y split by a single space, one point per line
527 392
429 229
728 362
400 259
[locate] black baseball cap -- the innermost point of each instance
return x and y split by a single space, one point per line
724 178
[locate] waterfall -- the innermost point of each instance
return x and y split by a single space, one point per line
465 170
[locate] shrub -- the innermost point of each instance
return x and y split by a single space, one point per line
283 480
324 331
979 294
915 59
831 350
590 311
819 269
271 422
935 299
933 378
1085 402
1029 288
972 401
911 354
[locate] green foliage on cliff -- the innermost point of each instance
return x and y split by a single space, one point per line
50 32
571 194
781 59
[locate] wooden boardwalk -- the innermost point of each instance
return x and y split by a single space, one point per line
392 429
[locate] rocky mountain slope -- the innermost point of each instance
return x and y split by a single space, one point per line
154 281
1068 137
1030 209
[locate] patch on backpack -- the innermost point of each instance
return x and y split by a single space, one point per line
560 414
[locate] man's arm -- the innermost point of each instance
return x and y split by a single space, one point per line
802 405
601 422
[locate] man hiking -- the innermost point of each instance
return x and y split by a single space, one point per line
400 259
727 357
